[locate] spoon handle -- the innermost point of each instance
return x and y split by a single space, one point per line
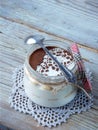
68 74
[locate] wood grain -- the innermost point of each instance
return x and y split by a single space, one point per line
77 21
20 19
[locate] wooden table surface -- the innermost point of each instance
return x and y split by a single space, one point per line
65 20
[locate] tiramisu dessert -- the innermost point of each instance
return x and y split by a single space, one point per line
43 64
44 82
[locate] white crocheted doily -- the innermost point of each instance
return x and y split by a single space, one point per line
45 116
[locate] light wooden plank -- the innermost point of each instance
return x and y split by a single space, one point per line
15 44
13 51
88 7
19 120
77 21
16 50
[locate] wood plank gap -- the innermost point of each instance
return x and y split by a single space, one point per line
48 33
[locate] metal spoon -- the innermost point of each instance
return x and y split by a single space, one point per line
38 39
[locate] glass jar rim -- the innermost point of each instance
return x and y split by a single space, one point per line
36 75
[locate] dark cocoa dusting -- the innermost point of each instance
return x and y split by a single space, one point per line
37 57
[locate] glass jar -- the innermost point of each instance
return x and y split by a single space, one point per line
48 91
